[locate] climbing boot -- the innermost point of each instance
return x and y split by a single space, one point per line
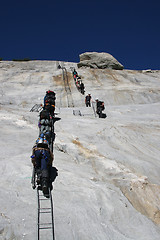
38 171
38 179
45 186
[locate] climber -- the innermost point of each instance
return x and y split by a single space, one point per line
100 108
82 87
46 126
49 102
42 159
78 84
75 74
88 100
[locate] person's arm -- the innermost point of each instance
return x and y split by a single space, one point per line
33 159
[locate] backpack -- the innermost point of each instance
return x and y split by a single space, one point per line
49 102
44 115
102 105
50 106
50 98
88 98
45 127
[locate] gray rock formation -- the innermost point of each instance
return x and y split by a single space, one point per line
99 60
109 181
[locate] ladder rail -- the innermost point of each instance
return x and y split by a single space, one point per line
33 179
52 216
38 214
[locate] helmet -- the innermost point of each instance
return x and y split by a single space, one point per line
50 92
42 135
42 141
39 140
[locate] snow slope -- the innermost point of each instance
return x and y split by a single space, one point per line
108 184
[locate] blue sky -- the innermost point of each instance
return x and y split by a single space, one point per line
61 30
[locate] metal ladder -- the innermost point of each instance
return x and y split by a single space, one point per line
45 207
67 87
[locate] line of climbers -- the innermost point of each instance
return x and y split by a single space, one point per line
99 105
88 99
42 152
78 82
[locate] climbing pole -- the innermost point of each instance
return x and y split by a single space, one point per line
67 87
45 211
93 107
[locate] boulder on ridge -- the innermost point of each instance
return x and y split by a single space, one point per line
99 60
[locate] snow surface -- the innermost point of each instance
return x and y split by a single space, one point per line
108 184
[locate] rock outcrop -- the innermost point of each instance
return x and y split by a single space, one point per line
111 182
99 60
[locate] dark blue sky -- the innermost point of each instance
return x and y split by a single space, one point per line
61 30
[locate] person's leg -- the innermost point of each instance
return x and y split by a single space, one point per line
100 113
45 181
45 171
38 165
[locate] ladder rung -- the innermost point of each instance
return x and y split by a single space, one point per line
41 195
45 208
46 228
44 212
44 224
41 199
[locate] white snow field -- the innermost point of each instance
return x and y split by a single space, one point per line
109 169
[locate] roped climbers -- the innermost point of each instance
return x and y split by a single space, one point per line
99 108
42 152
78 82
99 105
42 158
